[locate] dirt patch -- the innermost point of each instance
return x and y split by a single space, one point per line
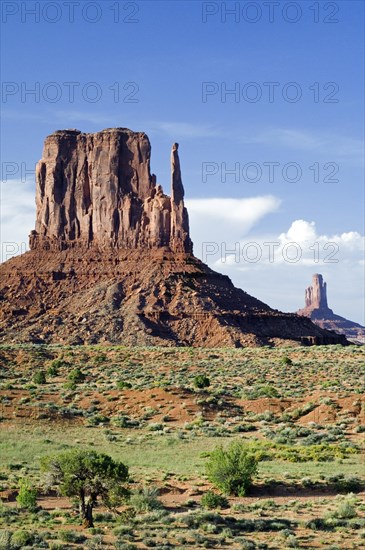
265 404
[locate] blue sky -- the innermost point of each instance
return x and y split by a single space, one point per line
164 60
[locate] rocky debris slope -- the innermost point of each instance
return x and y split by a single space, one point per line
111 260
316 308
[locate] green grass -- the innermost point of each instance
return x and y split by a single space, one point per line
152 453
349 467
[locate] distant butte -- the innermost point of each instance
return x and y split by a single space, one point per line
316 308
111 260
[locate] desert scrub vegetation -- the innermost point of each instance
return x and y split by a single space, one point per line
232 469
212 500
39 377
201 381
302 420
145 499
260 390
27 495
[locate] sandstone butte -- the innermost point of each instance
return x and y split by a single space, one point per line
316 308
111 260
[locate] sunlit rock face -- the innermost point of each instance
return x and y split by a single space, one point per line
97 189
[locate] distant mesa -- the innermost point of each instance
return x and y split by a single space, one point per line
316 308
111 260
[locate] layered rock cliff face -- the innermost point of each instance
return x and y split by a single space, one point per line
316 308
97 190
111 260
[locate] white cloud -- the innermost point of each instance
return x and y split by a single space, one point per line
299 246
276 268
300 231
226 220
17 215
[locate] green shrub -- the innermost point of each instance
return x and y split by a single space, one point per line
247 544
316 524
267 391
346 510
106 517
95 543
212 500
71 536
201 381
286 361
122 385
19 539
261 390
58 546
59 363
232 469
145 499
54 367
6 513
5 539
349 485
360 429
121 545
123 421
76 376
27 495
43 516
97 419
70 385
39 377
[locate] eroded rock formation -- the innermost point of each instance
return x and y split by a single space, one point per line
180 240
316 295
97 190
111 260
316 308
